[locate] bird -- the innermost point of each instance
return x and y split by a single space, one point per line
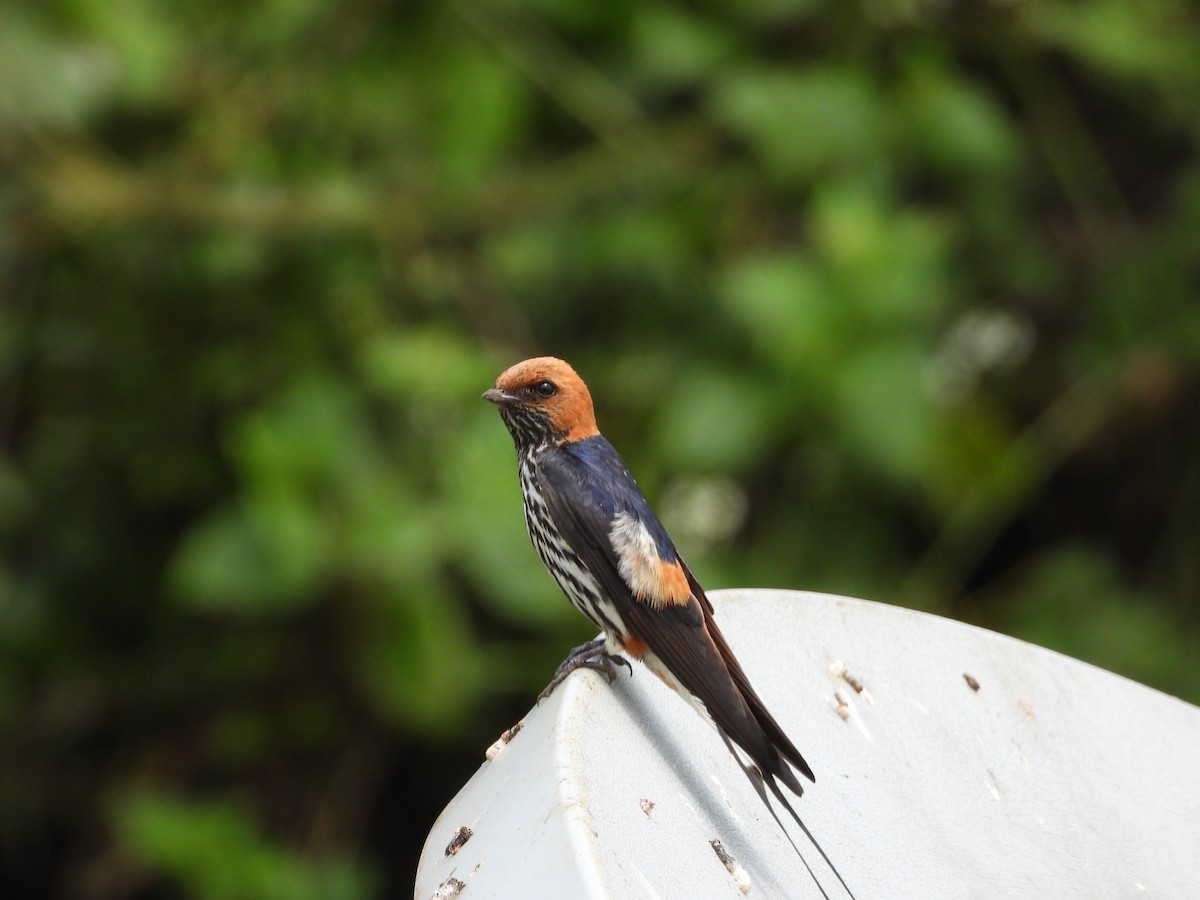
596 533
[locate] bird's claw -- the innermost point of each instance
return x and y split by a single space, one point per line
606 664
591 655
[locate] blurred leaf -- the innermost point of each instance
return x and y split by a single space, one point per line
803 123
954 124
891 267
419 664
214 850
278 23
479 106
883 411
785 304
978 452
1138 39
148 41
1073 600
240 562
270 550
526 258
16 498
638 242
427 365
716 422
45 82
673 47
316 427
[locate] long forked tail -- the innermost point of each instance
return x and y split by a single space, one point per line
758 779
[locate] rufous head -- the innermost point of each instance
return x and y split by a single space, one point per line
543 400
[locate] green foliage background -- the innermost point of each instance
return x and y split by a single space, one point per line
890 298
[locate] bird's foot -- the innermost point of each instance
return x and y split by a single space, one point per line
591 655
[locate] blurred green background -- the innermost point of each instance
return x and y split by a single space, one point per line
889 298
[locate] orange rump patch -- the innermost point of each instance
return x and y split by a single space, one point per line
673 587
655 581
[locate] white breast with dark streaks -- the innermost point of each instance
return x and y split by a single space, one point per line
564 563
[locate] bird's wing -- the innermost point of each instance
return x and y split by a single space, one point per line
592 505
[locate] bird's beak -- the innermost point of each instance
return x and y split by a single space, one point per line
499 397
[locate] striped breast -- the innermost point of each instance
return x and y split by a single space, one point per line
564 563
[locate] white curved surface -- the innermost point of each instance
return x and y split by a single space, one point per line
1053 779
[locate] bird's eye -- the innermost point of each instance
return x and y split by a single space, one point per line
545 389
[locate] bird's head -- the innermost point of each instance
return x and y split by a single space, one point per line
542 401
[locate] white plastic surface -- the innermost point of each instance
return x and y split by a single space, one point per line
1054 779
